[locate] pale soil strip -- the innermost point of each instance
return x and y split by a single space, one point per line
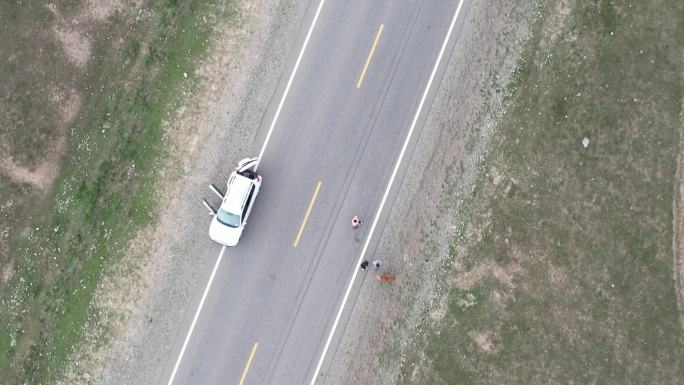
678 226
261 153
387 190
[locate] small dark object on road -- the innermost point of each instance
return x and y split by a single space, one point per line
364 265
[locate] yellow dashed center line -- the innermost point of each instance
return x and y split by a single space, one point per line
370 55
306 216
249 363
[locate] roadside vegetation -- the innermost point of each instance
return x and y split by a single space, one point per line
88 85
563 271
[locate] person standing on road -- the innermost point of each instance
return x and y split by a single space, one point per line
356 222
377 263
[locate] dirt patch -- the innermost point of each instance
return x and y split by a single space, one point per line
76 33
439 311
101 10
558 18
6 271
483 341
68 104
75 43
488 269
41 176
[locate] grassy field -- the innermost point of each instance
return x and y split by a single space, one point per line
563 273
88 88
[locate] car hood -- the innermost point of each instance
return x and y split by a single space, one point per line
223 234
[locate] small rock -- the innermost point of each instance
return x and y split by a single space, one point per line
585 142
185 74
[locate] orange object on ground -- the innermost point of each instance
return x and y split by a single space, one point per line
385 278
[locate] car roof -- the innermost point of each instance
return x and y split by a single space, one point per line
238 188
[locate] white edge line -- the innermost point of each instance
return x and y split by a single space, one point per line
261 153
197 313
384 197
289 83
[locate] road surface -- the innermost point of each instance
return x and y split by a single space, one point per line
331 154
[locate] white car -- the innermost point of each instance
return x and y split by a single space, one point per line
230 219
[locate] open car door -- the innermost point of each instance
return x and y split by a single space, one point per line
247 164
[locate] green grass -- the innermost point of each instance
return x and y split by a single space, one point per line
583 234
106 191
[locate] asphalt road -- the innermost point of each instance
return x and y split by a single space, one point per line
269 311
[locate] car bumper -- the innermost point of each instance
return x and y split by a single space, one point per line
223 234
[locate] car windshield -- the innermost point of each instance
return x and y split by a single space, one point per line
228 219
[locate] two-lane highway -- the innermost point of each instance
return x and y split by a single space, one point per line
331 153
